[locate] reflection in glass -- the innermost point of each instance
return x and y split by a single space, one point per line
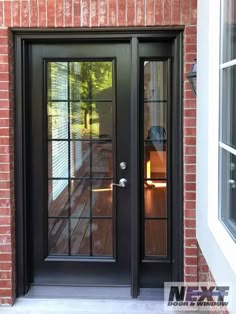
80 116
80 237
155 161
228 108
58 159
80 198
102 237
102 198
58 81
80 150
58 203
155 199
102 159
155 121
228 31
101 122
57 120
58 236
91 120
228 188
155 104
80 157
155 238
155 80
90 80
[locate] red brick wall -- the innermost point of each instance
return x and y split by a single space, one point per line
90 13
205 275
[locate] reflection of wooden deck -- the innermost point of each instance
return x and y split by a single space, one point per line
155 230
78 229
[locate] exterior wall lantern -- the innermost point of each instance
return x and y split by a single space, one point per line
192 77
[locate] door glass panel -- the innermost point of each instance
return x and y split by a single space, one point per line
58 236
80 236
57 120
58 198
80 198
58 81
102 237
155 103
155 199
80 112
102 159
102 198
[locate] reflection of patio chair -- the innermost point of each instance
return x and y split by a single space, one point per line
157 137
155 152
157 133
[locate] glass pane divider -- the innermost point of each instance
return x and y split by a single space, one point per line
154 100
81 178
80 100
79 217
228 148
91 171
156 218
94 140
228 64
69 159
155 178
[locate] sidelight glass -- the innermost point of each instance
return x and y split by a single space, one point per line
155 199
80 109
155 238
155 138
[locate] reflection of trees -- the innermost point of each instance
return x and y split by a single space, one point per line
86 82
95 77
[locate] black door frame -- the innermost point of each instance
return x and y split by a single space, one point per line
22 39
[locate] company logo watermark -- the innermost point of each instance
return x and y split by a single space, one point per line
196 296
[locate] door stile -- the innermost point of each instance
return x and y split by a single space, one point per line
177 159
135 171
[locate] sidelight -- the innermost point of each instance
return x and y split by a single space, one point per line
155 102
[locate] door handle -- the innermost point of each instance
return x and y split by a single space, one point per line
122 183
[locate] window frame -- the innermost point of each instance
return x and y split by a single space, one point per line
215 242
225 146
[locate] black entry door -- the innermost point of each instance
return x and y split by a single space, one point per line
80 135
80 159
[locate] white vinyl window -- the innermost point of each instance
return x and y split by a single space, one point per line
227 117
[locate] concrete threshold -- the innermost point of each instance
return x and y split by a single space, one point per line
73 306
